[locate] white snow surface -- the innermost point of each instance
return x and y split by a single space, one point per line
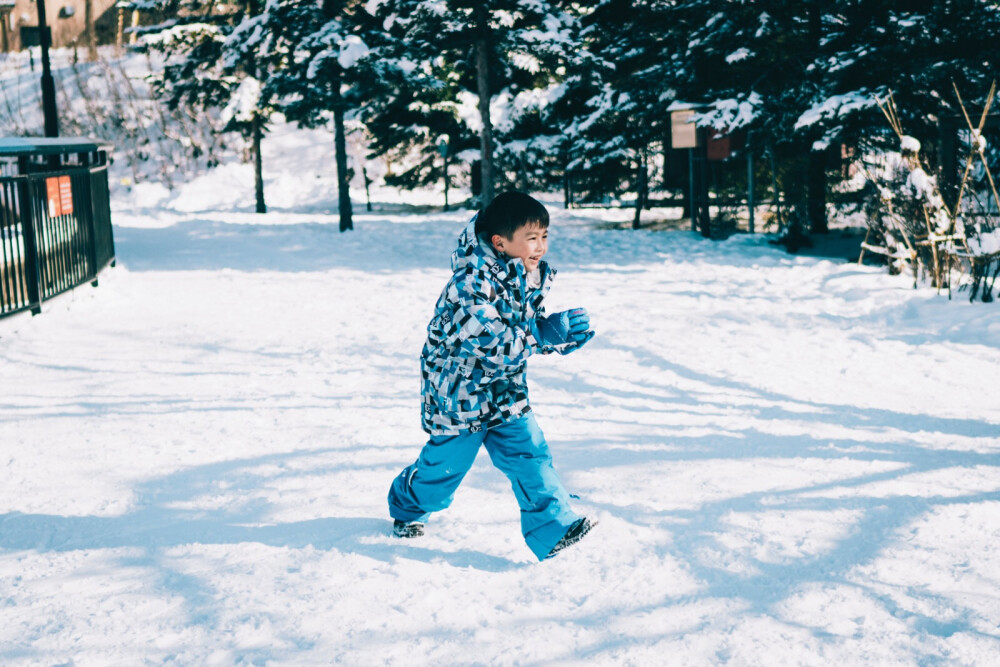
792 460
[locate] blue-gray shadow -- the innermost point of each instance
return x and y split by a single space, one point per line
694 531
157 524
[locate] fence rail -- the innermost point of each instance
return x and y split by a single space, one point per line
55 234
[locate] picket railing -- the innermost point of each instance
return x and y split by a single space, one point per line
55 219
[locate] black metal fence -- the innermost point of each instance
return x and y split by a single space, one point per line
55 219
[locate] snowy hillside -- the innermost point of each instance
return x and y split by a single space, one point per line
793 460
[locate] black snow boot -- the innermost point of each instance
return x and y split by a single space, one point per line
407 528
573 535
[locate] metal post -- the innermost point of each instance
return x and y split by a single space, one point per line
691 204
750 203
705 214
48 84
83 207
28 210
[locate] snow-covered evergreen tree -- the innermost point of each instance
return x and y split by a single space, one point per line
612 102
530 148
447 63
803 75
750 64
314 71
216 56
409 109
918 50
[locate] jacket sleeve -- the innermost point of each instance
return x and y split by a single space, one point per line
482 333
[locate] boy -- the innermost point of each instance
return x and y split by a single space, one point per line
488 320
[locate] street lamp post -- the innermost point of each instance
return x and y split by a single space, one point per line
48 83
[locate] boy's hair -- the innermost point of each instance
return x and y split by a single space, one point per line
508 212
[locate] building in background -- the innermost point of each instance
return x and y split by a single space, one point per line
67 22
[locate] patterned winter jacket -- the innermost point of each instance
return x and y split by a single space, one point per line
479 340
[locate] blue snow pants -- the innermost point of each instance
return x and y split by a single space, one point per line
519 450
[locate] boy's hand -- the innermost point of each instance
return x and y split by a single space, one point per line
569 326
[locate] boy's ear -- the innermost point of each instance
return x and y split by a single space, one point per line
497 241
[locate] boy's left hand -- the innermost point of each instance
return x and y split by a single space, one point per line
570 327
579 325
579 329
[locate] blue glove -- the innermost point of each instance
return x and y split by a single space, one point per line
569 326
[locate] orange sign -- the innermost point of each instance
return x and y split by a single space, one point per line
52 194
59 192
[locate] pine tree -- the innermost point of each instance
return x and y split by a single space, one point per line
315 73
407 111
442 55
612 106
244 57
749 64
531 147
216 58
919 51
803 76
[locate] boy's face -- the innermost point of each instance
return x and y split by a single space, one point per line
529 242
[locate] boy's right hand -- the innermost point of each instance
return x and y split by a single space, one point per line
569 326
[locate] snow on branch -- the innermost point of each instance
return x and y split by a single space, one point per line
729 114
243 104
334 43
836 107
184 34
739 54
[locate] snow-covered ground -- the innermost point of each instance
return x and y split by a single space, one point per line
793 460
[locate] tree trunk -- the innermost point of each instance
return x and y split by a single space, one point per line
816 192
566 183
444 169
816 168
483 87
258 165
330 11
88 20
257 125
343 183
775 189
642 190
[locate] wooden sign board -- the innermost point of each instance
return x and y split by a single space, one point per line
59 193
683 132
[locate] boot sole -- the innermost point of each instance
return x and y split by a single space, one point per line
587 526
